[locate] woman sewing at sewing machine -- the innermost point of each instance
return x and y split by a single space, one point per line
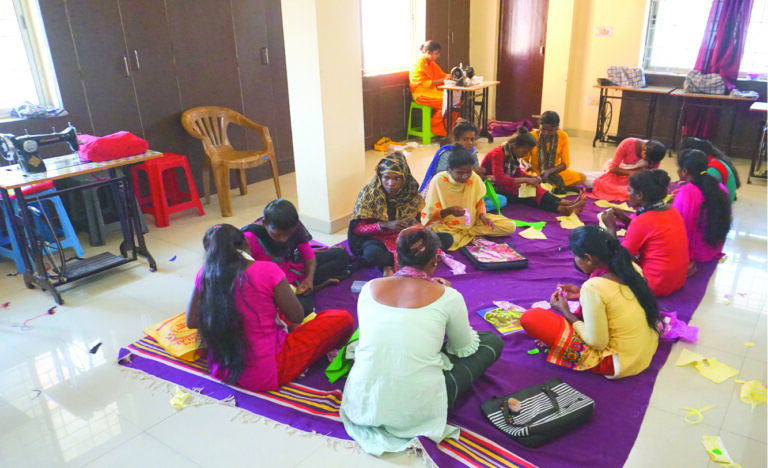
425 78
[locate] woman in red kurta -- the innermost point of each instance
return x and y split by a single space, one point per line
424 79
656 235
631 156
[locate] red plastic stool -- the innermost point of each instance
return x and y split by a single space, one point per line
165 197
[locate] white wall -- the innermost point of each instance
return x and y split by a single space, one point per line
557 57
483 43
323 62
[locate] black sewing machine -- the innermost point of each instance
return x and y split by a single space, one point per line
24 149
461 74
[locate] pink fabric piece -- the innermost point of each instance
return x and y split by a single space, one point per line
614 187
294 272
676 328
688 201
108 147
457 268
255 300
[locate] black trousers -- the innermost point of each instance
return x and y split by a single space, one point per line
331 263
375 253
466 370
549 202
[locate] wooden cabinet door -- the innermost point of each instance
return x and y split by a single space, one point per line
438 28
459 36
522 37
150 55
67 69
104 68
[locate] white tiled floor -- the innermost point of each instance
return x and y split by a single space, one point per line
60 405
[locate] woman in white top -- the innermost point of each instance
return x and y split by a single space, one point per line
402 384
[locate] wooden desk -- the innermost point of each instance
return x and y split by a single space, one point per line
469 101
33 249
605 109
715 101
762 153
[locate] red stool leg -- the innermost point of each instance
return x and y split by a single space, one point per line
171 185
159 202
194 198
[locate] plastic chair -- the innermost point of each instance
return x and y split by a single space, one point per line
209 124
426 127
165 197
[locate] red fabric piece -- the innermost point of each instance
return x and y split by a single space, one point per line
372 229
307 343
660 239
32 189
108 147
545 325
493 163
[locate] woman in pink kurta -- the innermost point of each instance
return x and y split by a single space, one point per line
631 156
242 307
704 205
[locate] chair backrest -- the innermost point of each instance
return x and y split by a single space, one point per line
209 124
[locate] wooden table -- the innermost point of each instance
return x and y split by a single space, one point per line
605 109
762 153
470 100
32 247
706 101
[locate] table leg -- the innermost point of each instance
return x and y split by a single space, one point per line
20 235
484 115
448 116
649 121
38 276
734 108
679 125
758 156
133 211
600 123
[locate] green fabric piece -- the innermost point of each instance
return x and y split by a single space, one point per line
538 225
340 365
534 351
491 193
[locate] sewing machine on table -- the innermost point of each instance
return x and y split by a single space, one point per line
44 261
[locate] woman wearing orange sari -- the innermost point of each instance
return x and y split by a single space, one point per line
425 77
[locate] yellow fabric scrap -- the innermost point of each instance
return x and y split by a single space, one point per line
723 259
308 318
180 399
570 222
695 416
752 392
526 191
532 233
621 233
716 450
607 204
749 344
710 368
548 187
384 142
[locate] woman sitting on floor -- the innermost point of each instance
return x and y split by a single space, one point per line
424 79
387 205
719 165
503 162
703 203
455 204
551 157
631 156
617 330
406 376
240 307
281 238
464 134
656 235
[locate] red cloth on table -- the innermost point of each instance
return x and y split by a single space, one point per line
108 147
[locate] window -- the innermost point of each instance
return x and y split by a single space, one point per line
391 33
28 73
676 28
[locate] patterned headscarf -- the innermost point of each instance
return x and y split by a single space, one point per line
372 200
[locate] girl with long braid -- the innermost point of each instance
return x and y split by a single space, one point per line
704 205
615 332
241 307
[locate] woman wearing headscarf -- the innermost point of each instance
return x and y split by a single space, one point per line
387 205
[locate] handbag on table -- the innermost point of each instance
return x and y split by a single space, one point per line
547 411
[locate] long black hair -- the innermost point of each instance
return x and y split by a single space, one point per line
221 325
711 150
416 247
598 243
715 214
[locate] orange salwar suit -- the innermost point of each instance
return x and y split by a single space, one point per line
421 76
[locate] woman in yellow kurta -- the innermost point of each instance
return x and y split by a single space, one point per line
454 204
550 158
425 77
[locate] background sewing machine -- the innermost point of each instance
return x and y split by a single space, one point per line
462 75
24 150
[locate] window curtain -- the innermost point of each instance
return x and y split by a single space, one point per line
721 51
